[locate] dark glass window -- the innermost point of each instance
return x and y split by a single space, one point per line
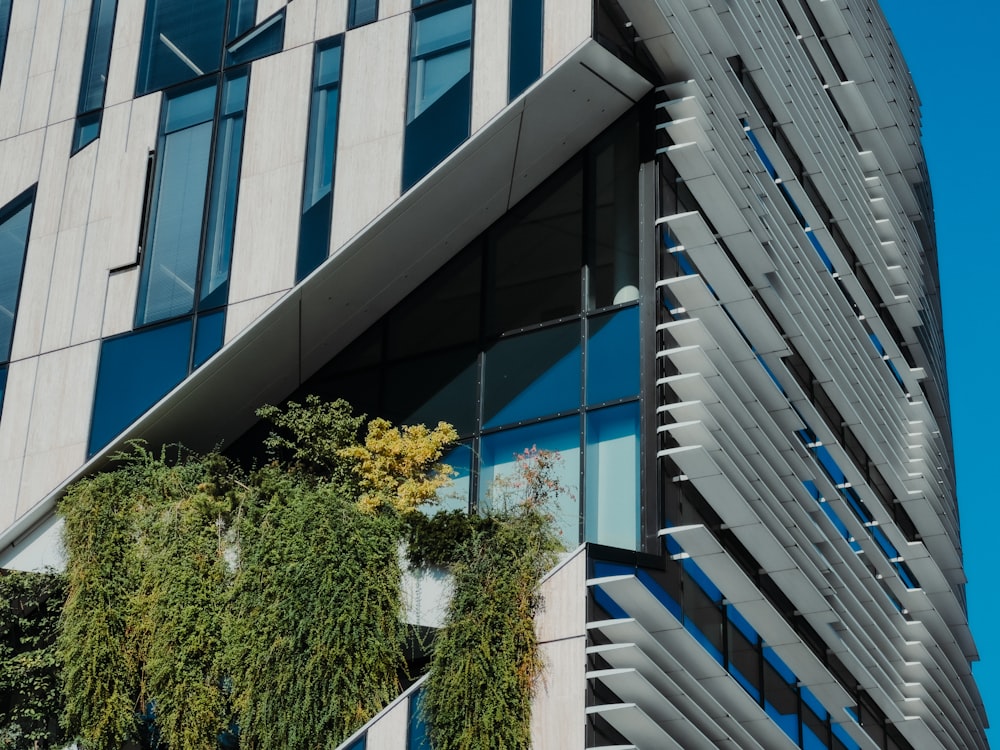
3 385
434 387
439 102
15 221
535 258
242 14
703 610
526 18
4 27
743 652
781 700
93 83
532 375
181 41
317 193
137 370
360 12
266 39
416 728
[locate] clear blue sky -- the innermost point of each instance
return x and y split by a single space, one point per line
951 49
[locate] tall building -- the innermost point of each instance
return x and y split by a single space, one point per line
688 245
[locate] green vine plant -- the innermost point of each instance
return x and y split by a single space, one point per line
209 605
30 604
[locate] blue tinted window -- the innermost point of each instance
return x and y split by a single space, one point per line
209 336
267 39
317 193
4 26
440 386
612 472
361 12
86 129
221 223
97 55
242 14
456 495
498 470
181 41
417 729
136 370
440 86
613 356
15 220
532 375
3 385
525 45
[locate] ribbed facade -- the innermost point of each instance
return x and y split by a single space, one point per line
686 245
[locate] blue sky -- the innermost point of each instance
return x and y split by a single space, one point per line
951 50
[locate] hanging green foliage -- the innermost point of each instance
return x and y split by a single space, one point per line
485 662
30 604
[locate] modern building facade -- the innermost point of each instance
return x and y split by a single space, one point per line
688 245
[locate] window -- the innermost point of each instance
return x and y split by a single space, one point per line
94 81
321 149
176 278
526 17
15 222
360 12
439 103
4 27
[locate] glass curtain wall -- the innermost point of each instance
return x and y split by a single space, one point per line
15 224
525 340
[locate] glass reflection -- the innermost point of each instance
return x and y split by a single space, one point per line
613 356
612 476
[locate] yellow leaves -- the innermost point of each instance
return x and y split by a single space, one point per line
400 466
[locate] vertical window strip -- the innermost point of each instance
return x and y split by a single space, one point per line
439 97
317 192
5 6
15 222
96 62
526 35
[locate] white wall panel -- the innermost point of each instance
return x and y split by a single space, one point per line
14 81
266 8
42 68
21 158
558 721
390 8
331 18
17 407
119 302
564 602
242 314
300 23
370 136
60 420
491 48
568 23
69 63
34 297
390 732
124 53
61 303
10 483
267 214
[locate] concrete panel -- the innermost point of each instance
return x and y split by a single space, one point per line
62 298
44 472
61 406
17 408
266 8
124 53
564 601
14 81
558 721
390 8
10 482
331 18
34 297
370 134
242 314
47 217
267 214
21 158
567 24
390 731
300 23
491 48
119 302
41 71
69 63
